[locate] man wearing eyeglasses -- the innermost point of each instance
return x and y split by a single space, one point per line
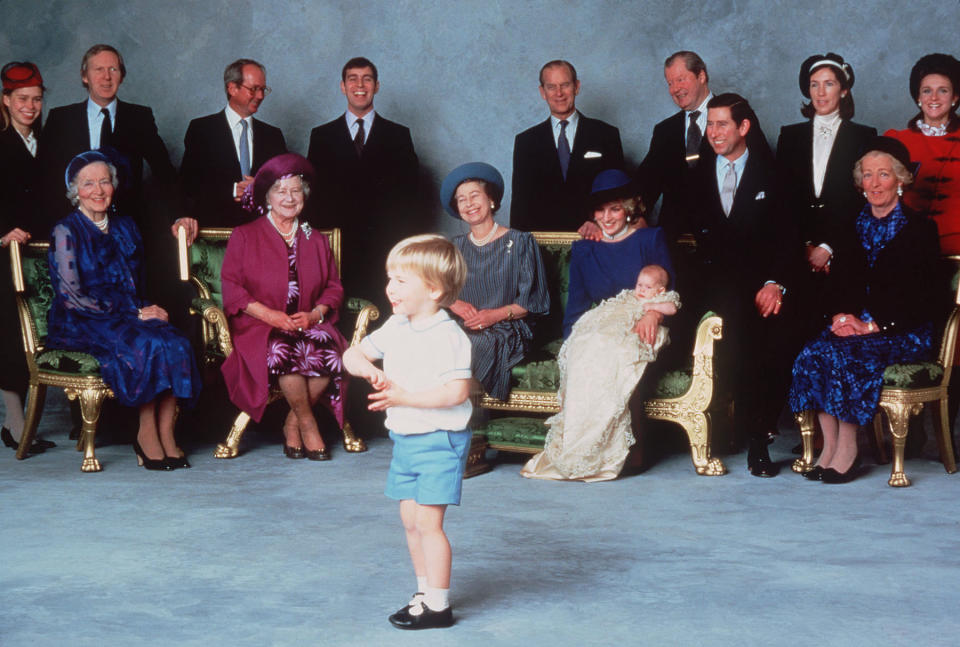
223 151
555 162
103 120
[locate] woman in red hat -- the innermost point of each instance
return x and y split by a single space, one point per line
20 188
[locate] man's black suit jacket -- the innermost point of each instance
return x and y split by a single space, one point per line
67 134
541 198
828 219
372 197
210 167
664 171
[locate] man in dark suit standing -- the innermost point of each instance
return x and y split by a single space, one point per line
555 162
746 257
677 142
100 121
367 173
223 151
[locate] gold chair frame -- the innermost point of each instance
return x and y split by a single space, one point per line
689 410
91 391
899 404
215 331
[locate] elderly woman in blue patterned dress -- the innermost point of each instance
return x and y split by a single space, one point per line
96 269
505 284
282 295
883 299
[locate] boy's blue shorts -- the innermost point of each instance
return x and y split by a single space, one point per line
428 468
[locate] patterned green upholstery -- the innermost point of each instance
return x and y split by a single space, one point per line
68 362
556 263
37 289
206 259
521 432
913 376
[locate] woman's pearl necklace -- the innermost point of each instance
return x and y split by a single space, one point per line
620 234
287 238
480 242
103 224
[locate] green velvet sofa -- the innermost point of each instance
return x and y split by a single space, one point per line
681 396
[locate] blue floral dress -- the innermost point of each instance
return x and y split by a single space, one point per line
843 376
312 352
96 278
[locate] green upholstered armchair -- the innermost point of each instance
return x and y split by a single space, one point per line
906 388
78 374
681 396
200 264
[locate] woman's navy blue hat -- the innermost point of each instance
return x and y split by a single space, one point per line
105 155
464 172
840 67
892 147
612 184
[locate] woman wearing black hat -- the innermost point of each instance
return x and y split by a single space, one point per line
932 139
20 117
506 281
814 163
882 303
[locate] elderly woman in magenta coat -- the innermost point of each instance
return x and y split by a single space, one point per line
282 294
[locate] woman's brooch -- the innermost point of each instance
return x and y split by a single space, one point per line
509 245
306 229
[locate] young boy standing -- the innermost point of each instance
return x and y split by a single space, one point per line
424 387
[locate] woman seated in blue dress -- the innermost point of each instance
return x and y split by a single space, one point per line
96 270
505 284
600 269
883 299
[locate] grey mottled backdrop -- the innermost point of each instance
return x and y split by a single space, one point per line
463 74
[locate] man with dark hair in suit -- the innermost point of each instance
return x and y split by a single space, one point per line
677 142
367 173
102 120
223 151
555 162
746 258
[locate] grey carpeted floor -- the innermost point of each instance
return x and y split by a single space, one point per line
262 550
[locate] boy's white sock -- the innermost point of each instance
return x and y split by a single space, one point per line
421 583
436 599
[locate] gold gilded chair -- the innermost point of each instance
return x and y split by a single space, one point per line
200 264
906 388
681 396
78 374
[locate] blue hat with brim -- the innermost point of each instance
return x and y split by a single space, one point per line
464 172
107 155
612 184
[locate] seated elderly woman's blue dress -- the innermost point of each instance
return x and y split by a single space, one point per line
600 270
96 278
887 279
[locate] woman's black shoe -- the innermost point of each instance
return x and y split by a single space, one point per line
7 436
292 452
816 474
45 444
177 462
831 475
159 464
317 454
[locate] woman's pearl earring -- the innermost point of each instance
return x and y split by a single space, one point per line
919 105
492 205
865 194
269 207
899 190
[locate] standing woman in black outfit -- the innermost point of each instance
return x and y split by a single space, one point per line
20 188
815 160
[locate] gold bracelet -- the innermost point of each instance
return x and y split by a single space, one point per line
509 313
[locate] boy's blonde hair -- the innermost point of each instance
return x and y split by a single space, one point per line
435 260
660 273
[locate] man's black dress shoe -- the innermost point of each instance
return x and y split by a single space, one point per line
36 448
759 463
428 619
816 474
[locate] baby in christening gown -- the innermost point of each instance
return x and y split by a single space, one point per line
601 363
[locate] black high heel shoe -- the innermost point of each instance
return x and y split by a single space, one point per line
292 452
7 436
831 475
177 462
317 454
159 464
816 474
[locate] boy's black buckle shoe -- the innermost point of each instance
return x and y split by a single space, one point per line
420 616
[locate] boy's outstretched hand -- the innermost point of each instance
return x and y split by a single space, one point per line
387 395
